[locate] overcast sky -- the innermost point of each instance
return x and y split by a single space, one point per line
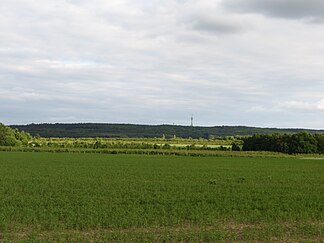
230 62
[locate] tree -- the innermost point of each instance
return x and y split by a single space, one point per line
236 147
7 136
12 137
301 142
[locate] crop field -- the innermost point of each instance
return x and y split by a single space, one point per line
74 197
134 143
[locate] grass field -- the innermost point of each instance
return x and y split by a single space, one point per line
98 197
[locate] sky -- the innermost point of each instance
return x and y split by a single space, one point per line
227 62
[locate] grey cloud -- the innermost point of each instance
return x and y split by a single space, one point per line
291 9
143 62
210 19
215 25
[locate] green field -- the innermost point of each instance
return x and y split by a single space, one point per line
100 198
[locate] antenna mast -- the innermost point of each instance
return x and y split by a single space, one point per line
191 123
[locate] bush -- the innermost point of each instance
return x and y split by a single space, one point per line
236 147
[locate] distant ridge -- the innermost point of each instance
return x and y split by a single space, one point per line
85 130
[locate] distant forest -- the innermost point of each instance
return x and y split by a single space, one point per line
86 130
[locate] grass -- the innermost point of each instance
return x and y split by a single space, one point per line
95 197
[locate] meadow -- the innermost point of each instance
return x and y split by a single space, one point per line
134 143
76 197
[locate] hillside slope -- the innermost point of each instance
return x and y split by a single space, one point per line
131 130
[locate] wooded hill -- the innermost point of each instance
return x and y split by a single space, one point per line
85 130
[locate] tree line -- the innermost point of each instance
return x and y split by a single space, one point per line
299 143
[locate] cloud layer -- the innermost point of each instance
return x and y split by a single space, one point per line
290 9
226 62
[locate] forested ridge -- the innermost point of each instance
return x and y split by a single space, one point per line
86 130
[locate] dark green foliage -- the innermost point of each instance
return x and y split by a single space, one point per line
236 147
145 131
301 143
